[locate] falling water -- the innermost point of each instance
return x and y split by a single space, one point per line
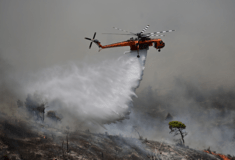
101 92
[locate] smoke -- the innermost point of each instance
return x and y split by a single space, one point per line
98 93
7 86
208 114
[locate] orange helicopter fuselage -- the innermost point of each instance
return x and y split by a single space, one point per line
135 44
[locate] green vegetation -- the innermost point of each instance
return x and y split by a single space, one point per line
177 127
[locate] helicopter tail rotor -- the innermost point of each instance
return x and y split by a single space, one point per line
92 40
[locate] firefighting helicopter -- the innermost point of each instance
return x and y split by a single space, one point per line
142 40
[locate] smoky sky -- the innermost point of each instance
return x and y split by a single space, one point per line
41 34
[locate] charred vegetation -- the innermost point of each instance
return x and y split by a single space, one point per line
20 141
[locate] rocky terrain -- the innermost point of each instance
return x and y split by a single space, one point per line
20 140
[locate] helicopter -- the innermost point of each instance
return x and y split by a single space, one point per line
142 40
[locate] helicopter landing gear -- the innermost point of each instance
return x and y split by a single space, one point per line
138 56
159 50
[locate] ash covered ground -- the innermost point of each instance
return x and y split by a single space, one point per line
21 140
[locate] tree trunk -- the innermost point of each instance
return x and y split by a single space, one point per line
182 136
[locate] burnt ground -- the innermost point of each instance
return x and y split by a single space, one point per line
20 140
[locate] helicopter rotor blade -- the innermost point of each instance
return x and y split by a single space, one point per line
90 45
94 35
152 35
87 38
161 32
117 34
145 29
123 30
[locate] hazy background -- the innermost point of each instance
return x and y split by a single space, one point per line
197 61
39 34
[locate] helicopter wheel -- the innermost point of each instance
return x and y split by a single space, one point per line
138 56
159 50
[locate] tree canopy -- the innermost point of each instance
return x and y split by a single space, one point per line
176 124
177 127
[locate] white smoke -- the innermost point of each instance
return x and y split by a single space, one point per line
101 92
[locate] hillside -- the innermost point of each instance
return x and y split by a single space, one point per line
26 141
